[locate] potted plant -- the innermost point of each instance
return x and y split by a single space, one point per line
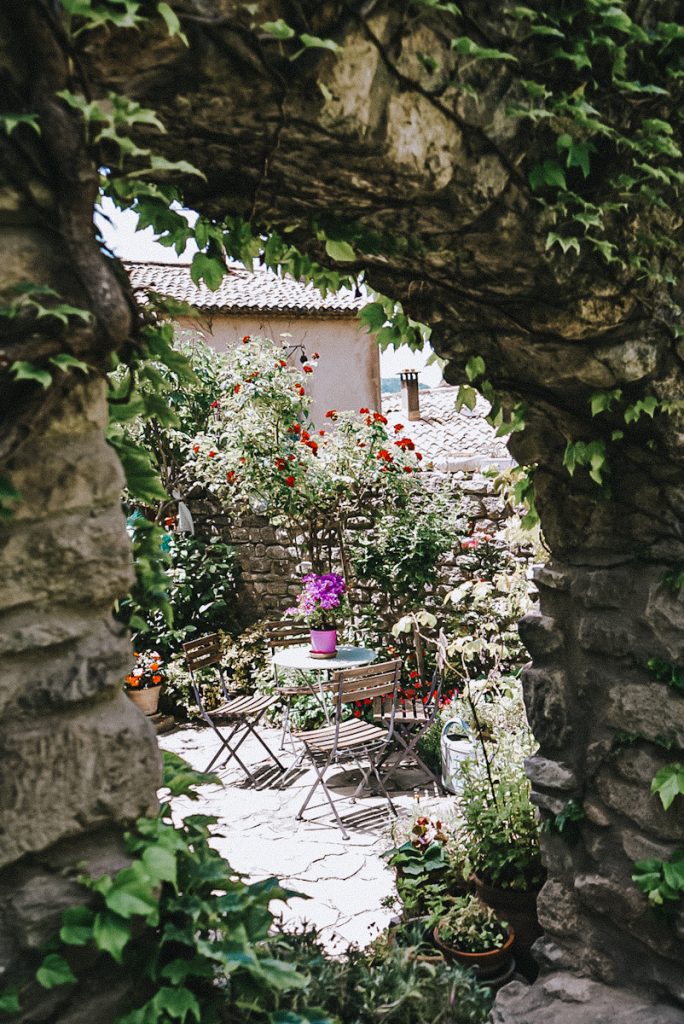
473 935
320 605
144 684
501 836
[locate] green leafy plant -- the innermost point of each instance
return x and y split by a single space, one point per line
189 935
668 783
387 983
472 927
662 881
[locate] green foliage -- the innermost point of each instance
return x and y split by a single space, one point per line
9 498
662 881
566 821
385 984
402 553
472 927
202 581
668 783
187 933
150 591
664 672
591 454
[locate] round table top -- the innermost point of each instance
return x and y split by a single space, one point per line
300 658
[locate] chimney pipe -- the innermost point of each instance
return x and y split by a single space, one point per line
410 402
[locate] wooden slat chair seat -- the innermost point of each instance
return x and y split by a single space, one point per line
353 739
242 712
413 717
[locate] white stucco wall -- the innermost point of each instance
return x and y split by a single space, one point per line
348 371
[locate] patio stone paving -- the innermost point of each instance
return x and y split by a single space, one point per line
345 880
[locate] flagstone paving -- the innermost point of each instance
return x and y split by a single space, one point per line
347 881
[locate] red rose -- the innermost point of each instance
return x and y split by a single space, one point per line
195 448
214 404
398 427
295 428
236 389
331 414
246 339
307 369
379 418
419 456
290 481
212 453
230 476
321 433
364 411
407 469
280 463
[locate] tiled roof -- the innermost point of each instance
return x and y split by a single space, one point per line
242 291
451 440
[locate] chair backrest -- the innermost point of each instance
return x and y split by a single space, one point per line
285 633
202 652
378 683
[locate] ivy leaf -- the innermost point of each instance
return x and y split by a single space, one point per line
173 25
342 252
160 864
566 243
209 268
602 401
280 29
315 42
54 971
669 783
9 1001
467 397
469 48
11 121
177 1002
27 371
475 367
76 927
549 173
111 934
373 316
65 361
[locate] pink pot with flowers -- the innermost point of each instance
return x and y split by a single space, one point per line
324 641
320 606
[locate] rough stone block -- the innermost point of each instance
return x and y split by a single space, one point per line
42 680
651 710
564 998
540 634
635 802
664 614
542 771
83 559
547 703
553 578
97 765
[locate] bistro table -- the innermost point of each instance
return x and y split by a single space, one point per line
299 659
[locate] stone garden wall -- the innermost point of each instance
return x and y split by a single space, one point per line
269 564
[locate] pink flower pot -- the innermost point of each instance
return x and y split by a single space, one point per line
323 642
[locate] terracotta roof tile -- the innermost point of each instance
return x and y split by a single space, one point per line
452 440
242 291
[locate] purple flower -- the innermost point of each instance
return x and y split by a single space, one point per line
321 593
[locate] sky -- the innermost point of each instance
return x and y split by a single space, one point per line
118 231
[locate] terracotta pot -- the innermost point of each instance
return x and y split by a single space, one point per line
519 909
486 965
323 642
148 699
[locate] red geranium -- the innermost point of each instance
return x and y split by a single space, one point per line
290 481
307 369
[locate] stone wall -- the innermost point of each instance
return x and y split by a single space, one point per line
269 564
79 762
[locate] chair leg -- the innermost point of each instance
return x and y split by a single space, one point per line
225 742
251 727
388 798
320 781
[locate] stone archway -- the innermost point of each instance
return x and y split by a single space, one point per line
355 135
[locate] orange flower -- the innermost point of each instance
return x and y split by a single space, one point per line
156 679
154 665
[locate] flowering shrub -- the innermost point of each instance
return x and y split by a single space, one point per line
321 600
261 452
147 672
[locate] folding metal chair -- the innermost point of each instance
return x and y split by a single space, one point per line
354 739
242 712
412 719
285 633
